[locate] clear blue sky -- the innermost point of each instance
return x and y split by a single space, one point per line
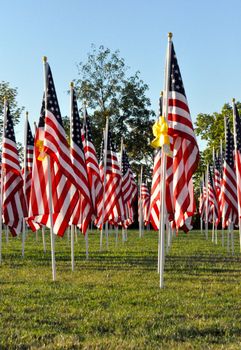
206 37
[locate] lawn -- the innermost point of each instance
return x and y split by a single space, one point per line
113 300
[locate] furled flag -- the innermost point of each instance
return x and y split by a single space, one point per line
111 207
82 216
145 200
14 202
29 162
237 128
202 201
129 187
156 191
212 199
229 186
92 166
217 181
183 145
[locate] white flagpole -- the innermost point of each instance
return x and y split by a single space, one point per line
104 185
121 156
163 166
2 174
116 235
140 206
24 177
52 236
221 154
6 232
43 239
72 233
201 222
87 244
213 228
107 234
236 167
206 224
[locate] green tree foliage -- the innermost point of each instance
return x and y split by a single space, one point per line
210 127
104 84
11 95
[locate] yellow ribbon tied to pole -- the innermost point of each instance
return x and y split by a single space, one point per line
42 154
160 131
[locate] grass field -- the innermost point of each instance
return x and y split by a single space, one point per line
113 300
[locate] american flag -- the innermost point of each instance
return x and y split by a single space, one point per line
229 185
217 180
64 194
202 200
237 122
129 187
145 200
212 198
14 202
55 142
183 144
112 202
29 162
92 166
156 191
82 217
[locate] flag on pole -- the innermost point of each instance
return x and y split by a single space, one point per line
212 198
112 202
145 196
229 186
14 202
183 145
156 192
64 194
29 162
92 166
82 216
237 129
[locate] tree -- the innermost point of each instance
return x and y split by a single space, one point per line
104 84
211 129
11 95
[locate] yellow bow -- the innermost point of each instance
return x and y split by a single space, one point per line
160 129
40 145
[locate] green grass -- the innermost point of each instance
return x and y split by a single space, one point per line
113 301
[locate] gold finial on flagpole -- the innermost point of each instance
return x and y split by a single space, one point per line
45 59
169 35
233 100
71 84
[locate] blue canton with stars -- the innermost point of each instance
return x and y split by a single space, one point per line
41 122
30 140
229 146
175 78
8 130
76 124
125 162
87 128
52 101
238 127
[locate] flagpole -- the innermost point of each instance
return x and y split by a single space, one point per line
207 199
43 238
221 154
201 222
104 187
121 156
71 131
163 167
24 177
52 236
236 167
213 228
2 173
140 207
87 231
